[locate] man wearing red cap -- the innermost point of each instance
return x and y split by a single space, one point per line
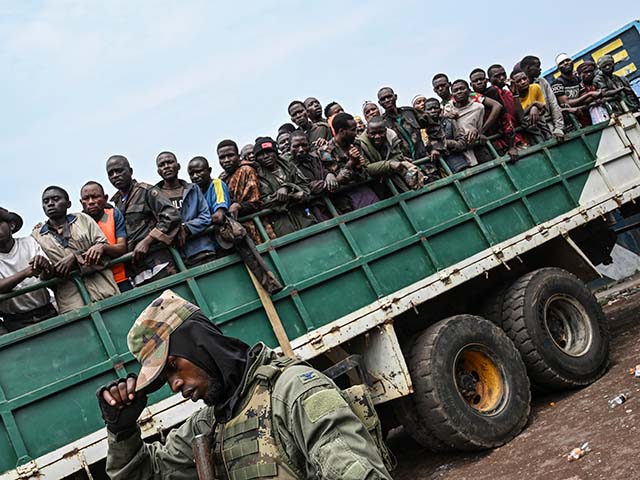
21 262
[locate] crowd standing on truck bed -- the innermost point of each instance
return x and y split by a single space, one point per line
324 153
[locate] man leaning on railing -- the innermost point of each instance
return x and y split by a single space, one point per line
21 262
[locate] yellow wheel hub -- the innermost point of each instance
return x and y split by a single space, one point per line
479 380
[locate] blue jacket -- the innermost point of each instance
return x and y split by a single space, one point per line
196 217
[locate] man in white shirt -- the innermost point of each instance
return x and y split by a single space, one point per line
21 262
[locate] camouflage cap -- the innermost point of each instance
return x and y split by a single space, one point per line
148 339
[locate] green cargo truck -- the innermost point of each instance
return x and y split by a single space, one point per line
448 301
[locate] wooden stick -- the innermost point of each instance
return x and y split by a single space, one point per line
274 318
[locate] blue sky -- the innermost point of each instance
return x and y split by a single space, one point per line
86 79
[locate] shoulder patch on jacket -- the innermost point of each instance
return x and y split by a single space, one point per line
306 377
322 403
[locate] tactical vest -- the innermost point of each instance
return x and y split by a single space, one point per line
246 446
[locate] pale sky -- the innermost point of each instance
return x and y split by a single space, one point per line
87 79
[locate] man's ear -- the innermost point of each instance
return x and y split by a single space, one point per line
69 204
12 225
106 197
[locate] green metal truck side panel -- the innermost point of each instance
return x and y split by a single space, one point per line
51 370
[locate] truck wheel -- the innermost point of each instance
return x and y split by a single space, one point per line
559 328
471 390
491 308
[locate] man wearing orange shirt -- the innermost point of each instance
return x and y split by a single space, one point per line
111 222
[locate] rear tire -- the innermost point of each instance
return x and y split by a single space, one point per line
471 390
558 327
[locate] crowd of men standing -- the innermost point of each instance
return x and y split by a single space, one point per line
322 153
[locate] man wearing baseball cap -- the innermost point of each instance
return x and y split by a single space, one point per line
266 416
21 263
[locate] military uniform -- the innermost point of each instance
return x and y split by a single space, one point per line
147 212
408 124
291 423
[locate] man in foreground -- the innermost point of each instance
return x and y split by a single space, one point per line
292 418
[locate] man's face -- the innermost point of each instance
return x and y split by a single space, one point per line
247 153
460 93
587 74
522 81
607 66
442 88
478 82
54 204
314 109
370 110
6 230
299 116
199 173
498 77
566 66
120 173
533 71
228 158
349 134
419 104
284 143
93 200
387 99
167 166
183 376
267 158
377 133
335 109
433 109
299 147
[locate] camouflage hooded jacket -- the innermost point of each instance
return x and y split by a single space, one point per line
318 435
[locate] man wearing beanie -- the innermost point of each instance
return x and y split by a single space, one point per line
266 416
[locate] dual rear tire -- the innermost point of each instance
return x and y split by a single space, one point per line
471 375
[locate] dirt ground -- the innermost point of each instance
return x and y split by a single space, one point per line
559 422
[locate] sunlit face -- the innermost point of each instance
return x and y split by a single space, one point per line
93 200
54 203
267 158
186 378
370 110
566 66
167 166
120 173
460 93
606 66
299 115
419 103
299 146
377 133
498 77
478 82
387 99
228 158
433 109
522 82
442 88
199 173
